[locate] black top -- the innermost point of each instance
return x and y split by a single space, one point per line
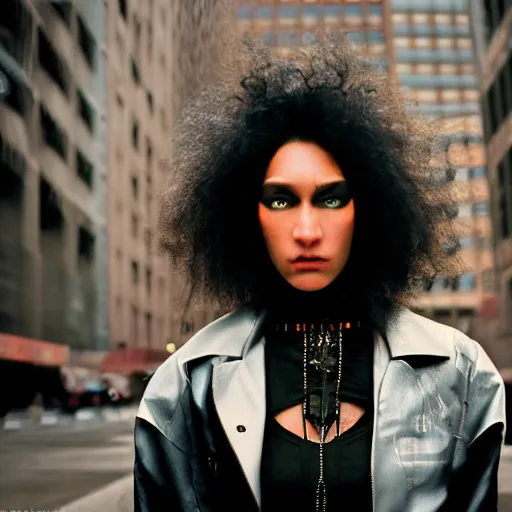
290 464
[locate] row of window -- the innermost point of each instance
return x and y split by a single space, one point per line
431 30
473 210
54 136
445 109
441 81
433 55
464 283
435 69
441 43
295 37
422 6
312 12
447 96
439 19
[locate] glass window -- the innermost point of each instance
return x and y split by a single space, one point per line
266 13
308 38
288 38
244 13
478 172
268 38
353 10
467 282
289 12
466 242
332 13
481 209
311 11
375 37
375 10
355 37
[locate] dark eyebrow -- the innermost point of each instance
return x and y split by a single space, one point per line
333 186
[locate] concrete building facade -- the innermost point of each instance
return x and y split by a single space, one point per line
492 33
160 53
53 256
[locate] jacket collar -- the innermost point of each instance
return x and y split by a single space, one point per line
232 336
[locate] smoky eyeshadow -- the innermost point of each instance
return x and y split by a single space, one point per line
337 190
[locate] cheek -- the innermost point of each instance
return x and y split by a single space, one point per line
267 224
344 229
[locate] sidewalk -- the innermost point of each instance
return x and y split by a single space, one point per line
22 420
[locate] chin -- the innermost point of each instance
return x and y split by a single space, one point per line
309 283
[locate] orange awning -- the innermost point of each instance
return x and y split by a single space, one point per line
28 350
133 360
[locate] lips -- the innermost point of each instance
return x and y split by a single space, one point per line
308 263
301 259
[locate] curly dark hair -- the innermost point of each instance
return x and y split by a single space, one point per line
333 97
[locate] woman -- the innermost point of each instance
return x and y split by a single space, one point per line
306 199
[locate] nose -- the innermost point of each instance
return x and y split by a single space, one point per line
307 231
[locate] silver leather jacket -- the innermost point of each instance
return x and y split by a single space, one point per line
439 410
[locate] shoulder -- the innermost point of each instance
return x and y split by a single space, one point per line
225 336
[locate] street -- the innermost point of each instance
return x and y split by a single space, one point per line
49 468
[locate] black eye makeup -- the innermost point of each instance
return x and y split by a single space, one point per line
332 196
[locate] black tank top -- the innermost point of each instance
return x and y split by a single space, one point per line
290 464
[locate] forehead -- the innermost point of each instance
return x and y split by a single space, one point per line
302 162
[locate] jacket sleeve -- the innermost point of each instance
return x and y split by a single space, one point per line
153 485
475 486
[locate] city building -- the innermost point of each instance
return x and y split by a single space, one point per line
426 47
159 55
492 31
53 176
283 24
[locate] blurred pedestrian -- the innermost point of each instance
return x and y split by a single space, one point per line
306 199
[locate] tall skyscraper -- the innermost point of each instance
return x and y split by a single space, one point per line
492 30
436 73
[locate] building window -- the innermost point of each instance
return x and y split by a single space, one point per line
244 13
424 69
268 39
288 38
135 71
402 68
289 13
376 11
135 187
375 37
135 134
450 95
149 280
400 19
135 272
443 19
51 62
53 135
87 43
422 42
308 38
85 111
464 42
481 209
84 169
470 95
353 13
135 325
149 321
444 43
466 242
85 245
478 172
467 282
464 211
355 37
311 14
135 226
123 8
149 99
420 19
265 13
332 13
447 69
462 174
426 95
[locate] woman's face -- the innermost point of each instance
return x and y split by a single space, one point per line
306 214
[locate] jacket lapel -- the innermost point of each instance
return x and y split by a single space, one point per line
239 396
